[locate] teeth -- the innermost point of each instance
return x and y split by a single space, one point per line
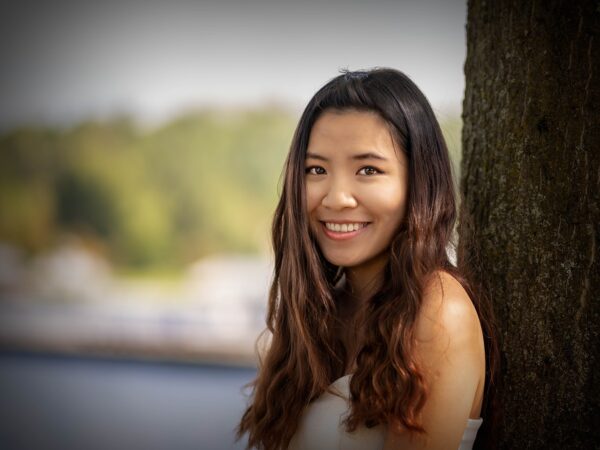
344 228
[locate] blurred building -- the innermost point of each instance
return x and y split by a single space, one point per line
68 300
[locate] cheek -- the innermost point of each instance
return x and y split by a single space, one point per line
312 199
388 203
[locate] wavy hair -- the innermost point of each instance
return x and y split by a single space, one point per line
305 354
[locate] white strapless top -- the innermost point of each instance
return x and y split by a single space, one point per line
321 426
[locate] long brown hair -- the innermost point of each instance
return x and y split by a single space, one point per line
305 354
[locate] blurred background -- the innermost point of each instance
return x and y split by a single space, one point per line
141 148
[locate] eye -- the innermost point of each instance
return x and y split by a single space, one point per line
369 170
315 170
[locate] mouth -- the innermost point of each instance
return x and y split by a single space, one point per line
343 230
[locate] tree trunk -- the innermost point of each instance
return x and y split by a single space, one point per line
530 214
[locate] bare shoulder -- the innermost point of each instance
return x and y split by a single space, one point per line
449 350
447 317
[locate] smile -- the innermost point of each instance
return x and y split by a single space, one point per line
341 231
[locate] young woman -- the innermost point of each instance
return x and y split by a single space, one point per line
376 340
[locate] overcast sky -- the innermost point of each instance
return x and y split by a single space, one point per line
62 61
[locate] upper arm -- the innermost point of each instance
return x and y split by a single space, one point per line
449 349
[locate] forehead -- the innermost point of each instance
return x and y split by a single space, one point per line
350 130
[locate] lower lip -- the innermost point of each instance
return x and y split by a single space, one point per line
341 236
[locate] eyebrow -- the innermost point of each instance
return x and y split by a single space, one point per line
357 157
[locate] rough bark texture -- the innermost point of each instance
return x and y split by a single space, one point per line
530 216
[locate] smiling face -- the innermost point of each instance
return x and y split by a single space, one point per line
356 187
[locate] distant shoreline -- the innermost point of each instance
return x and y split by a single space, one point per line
127 353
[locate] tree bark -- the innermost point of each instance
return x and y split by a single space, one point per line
530 213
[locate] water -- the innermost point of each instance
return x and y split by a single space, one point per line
50 402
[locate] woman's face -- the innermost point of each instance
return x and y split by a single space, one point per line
356 186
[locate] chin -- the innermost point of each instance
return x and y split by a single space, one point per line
342 260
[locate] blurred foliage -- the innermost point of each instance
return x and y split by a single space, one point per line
202 183
452 129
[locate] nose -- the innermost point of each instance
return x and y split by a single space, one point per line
339 196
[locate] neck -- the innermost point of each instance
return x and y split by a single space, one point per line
363 281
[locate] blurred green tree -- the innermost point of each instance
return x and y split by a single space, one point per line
204 182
